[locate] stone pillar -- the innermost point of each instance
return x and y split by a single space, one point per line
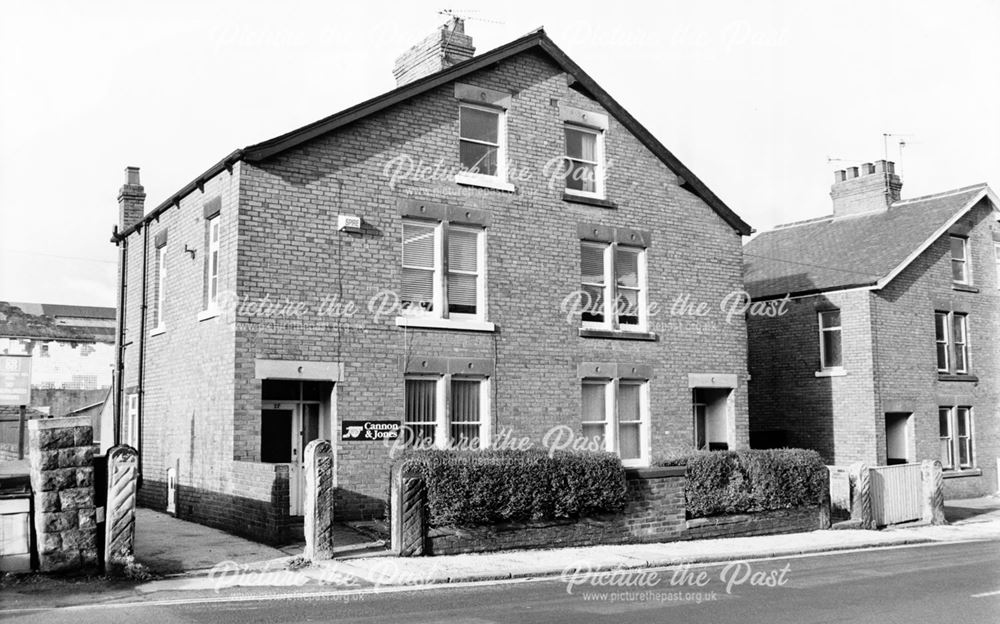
824 500
861 495
407 501
319 500
61 458
119 526
932 479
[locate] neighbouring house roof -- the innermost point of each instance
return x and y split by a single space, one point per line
10 413
853 251
536 40
40 321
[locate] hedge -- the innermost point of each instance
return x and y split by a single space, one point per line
748 481
468 488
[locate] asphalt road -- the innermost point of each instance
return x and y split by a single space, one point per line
939 583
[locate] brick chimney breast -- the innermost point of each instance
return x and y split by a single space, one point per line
131 200
447 46
869 188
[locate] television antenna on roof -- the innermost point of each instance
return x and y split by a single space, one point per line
466 15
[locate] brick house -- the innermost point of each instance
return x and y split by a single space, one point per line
415 259
887 348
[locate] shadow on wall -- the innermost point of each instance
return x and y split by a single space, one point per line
263 521
790 399
350 505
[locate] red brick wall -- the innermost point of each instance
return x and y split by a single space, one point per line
280 240
889 351
289 247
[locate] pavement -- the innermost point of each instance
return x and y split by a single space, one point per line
229 561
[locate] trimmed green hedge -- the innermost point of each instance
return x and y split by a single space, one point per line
468 488
748 481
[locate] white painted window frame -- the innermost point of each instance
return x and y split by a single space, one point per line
442 407
965 260
822 348
161 286
482 179
598 133
610 288
611 421
214 262
955 440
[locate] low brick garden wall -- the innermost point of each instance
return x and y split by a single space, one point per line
762 523
654 513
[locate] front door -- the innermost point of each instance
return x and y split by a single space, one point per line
286 429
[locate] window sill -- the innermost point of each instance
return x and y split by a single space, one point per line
589 200
949 377
964 287
832 372
490 182
156 331
442 323
589 332
204 315
965 472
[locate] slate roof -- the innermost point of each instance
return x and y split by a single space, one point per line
536 40
866 250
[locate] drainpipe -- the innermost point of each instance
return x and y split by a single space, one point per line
120 351
142 347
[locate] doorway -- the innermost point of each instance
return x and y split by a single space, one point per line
289 425
897 438
711 418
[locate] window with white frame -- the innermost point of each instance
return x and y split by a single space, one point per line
584 170
443 270
956 437
161 287
951 337
960 272
212 259
996 258
613 283
482 140
446 411
131 426
830 344
615 417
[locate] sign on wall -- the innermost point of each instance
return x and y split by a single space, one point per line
15 380
370 430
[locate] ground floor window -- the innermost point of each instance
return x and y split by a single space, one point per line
615 417
446 411
955 437
711 418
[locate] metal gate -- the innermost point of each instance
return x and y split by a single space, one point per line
896 493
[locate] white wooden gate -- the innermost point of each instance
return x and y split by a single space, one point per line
896 493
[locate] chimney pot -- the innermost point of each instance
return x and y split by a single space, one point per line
446 46
856 194
132 176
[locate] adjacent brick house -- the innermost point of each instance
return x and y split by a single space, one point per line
887 350
416 259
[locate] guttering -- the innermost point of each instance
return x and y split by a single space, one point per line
226 164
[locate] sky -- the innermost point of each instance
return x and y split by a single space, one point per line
763 100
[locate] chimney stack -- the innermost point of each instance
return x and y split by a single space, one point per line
447 46
131 200
872 187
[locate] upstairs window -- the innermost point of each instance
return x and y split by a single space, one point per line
960 273
213 238
951 337
613 280
584 155
443 269
830 345
161 285
481 139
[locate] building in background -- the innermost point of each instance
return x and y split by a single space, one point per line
888 349
416 263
